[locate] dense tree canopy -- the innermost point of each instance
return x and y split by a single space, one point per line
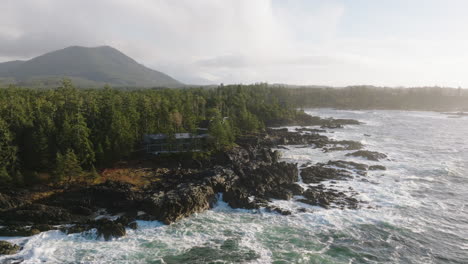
63 130
66 130
370 97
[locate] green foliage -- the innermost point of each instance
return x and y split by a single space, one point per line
68 166
93 174
66 129
8 154
220 130
370 97
5 178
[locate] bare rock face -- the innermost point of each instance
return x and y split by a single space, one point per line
7 248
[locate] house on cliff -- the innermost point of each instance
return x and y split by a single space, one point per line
176 143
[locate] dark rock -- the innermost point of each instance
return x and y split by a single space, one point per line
7 248
105 227
348 165
7 202
319 173
18 231
78 228
36 213
312 130
264 182
341 145
185 200
267 178
81 210
304 210
328 198
280 193
114 196
239 198
295 188
43 227
377 167
278 210
284 137
338 123
370 155
133 225
332 126
109 229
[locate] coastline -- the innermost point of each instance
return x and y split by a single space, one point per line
248 175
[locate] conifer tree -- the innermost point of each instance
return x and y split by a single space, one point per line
8 154
68 166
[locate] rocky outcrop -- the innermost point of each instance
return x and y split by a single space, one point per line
18 230
319 173
310 130
114 196
105 227
36 214
259 177
348 165
304 119
377 167
7 248
340 145
185 200
277 137
328 198
6 202
109 229
370 155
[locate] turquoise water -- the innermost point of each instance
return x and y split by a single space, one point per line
415 212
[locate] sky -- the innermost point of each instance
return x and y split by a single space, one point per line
305 42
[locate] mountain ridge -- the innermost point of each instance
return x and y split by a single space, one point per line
87 66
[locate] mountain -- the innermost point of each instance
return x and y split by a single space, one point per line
85 67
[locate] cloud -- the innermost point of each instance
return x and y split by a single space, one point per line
294 41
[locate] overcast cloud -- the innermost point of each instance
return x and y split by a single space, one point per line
388 42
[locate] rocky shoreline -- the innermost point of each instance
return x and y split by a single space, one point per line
248 176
